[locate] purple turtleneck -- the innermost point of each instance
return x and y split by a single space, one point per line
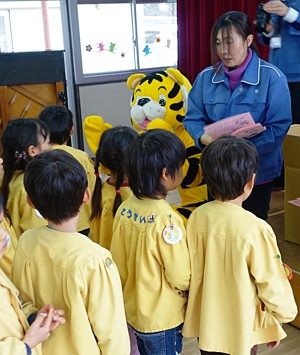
235 75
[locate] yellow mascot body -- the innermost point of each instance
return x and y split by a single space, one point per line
159 100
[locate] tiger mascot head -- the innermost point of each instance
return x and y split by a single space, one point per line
158 96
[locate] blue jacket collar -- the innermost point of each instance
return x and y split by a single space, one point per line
251 75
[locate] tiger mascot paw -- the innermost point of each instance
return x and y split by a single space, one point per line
93 127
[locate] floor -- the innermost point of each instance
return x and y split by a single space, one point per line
290 254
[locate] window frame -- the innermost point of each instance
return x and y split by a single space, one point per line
107 77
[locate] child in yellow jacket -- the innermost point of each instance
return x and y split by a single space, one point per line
22 139
59 119
108 195
57 263
149 244
239 292
16 336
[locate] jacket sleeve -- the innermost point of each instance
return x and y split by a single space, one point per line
271 281
107 317
11 345
277 117
196 118
175 257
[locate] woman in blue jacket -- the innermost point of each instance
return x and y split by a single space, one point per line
238 82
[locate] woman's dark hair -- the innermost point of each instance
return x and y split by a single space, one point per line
228 164
55 182
60 122
111 154
146 158
17 137
233 19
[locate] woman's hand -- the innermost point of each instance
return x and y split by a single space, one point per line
205 139
276 7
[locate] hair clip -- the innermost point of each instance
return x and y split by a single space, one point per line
20 155
97 174
118 192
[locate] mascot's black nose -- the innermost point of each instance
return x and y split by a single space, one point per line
143 101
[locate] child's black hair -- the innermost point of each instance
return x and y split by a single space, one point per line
55 182
146 158
228 164
60 122
17 137
1 203
111 153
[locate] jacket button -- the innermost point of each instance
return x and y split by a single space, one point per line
240 89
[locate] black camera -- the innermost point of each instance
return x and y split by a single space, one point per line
262 18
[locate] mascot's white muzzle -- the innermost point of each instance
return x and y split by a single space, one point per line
146 110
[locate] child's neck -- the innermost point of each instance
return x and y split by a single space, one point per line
237 201
69 226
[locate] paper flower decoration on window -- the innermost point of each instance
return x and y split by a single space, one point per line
88 48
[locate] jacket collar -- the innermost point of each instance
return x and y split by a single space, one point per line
251 75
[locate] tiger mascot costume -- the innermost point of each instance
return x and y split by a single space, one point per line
159 100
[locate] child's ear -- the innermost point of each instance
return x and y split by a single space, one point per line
32 151
86 196
29 202
164 174
72 131
251 182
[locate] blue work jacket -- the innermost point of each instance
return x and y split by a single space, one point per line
263 91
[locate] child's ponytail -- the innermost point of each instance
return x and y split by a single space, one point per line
96 206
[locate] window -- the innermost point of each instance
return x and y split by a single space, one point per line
30 26
113 38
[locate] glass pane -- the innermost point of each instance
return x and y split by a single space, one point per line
30 26
106 38
157 34
5 34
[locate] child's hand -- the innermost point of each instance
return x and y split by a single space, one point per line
39 329
273 344
57 316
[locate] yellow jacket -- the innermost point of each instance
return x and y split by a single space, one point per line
13 322
88 164
101 228
23 217
154 268
9 253
71 272
237 271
